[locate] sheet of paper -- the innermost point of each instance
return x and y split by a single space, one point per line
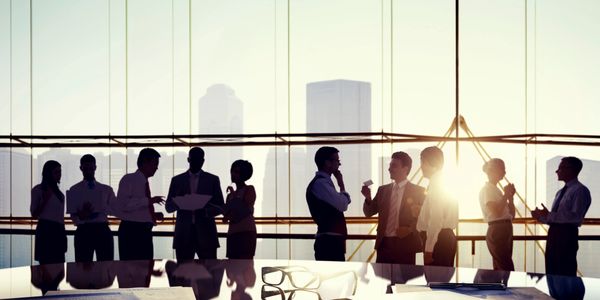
76 199
191 201
175 293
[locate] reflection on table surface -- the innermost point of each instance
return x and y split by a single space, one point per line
282 279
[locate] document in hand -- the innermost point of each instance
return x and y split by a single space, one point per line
77 198
191 201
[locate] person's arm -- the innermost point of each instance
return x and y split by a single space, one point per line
216 204
371 207
39 199
435 218
250 196
112 201
575 210
324 190
170 205
126 201
493 204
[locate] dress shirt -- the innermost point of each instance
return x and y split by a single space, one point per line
324 189
53 211
491 193
439 212
394 206
194 181
132 203
101 196
572 207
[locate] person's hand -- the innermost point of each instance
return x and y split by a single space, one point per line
366 191
340 179
158 216
86 211
157 200
427 258
540 214
509 190
230 190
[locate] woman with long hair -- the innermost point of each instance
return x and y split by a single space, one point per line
48 207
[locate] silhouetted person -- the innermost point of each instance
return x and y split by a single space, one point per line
327 206
196 231
135 206
439 214
239 210
89 203
498 211
47 277
568 211
398 205
48 207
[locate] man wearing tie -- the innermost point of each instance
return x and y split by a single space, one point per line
135 207
89 202
196 231
398 205
568 211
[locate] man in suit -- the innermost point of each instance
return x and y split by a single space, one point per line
196 231
327 206
398 205
568 211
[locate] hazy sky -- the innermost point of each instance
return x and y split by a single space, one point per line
522 69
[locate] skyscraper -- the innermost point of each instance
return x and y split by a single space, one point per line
341 106
221 112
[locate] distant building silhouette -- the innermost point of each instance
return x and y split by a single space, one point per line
340 106
220 111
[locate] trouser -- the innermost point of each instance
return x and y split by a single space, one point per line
194 247
135 241
445 248
330 247
92 237
499 239
393 250
50 242
561 249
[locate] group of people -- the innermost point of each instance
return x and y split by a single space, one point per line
412 219
89 202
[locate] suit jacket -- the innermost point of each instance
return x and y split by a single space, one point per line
412 200
203 220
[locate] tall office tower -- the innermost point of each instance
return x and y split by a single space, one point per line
221 112
341 106
589 176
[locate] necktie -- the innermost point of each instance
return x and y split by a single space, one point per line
91 184
558 199
150 204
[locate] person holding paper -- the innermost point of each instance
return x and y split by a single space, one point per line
196 230
398 205
439 215
327 206
239 210
565 217
89 202
135 208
